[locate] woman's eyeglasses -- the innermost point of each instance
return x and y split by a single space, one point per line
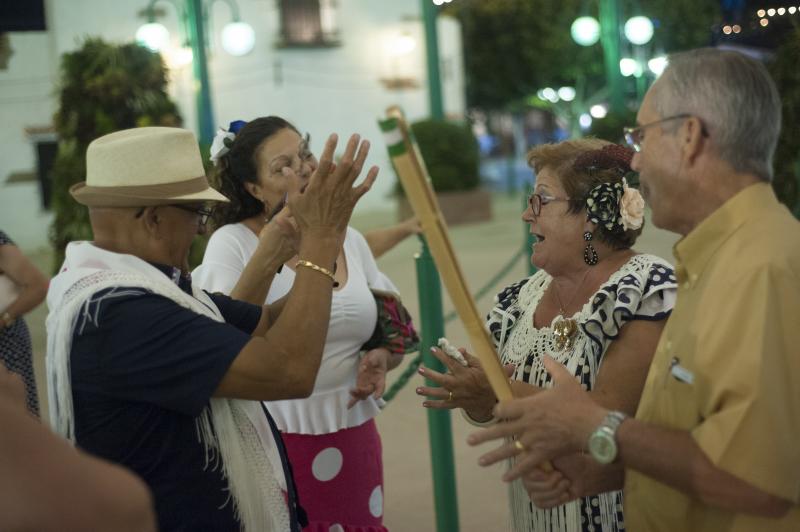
304 155
535 202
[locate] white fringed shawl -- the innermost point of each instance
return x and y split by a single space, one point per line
234 432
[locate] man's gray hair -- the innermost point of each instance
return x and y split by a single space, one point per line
735 98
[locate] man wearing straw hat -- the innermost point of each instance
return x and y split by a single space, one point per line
148 371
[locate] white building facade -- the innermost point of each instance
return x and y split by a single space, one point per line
373 57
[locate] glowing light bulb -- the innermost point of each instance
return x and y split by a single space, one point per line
657 65
628 66
550 94
238 38
598 111
639 30
178 57
566 93
153 36
585 31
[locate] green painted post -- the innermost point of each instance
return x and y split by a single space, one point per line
197 38
609 34
439 424
432 55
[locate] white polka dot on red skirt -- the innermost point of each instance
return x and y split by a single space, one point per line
327 464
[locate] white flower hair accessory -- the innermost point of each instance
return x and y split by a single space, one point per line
631 207
221 144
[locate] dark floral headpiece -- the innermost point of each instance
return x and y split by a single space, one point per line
609 157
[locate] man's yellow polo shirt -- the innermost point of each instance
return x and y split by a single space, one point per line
727 367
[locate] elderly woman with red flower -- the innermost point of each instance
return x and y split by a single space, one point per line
595 305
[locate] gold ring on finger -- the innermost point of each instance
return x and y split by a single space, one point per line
450 395
520 446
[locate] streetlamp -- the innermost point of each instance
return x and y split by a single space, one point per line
238 38
638 30
566 104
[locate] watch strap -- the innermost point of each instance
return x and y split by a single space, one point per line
613 420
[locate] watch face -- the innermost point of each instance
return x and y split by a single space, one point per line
602 447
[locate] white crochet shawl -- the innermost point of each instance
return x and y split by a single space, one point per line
235 433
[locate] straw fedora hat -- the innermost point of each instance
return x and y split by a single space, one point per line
144 166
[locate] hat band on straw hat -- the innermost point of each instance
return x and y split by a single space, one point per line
140 195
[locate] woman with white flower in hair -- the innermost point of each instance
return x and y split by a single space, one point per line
595 305
331 437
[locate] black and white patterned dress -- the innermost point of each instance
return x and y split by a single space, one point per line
643 288
16 352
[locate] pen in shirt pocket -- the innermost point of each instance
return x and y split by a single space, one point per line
679 372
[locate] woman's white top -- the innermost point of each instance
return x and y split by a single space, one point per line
352 322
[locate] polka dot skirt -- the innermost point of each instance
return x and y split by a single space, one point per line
339 478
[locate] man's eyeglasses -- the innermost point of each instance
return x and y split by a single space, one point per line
535 202
635 135
203 212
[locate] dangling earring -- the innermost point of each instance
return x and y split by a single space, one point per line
589 253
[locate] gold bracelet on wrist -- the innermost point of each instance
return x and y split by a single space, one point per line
320 269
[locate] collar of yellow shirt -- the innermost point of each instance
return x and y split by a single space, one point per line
695 250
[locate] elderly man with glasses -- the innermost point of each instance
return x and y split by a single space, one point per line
713 445
150 372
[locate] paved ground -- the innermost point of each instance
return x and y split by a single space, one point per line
482 250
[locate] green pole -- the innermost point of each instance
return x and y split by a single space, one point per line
439 423
432 55
197 38
609 34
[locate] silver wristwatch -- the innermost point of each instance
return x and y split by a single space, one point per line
603 442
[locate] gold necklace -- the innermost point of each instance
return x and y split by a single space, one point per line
565 329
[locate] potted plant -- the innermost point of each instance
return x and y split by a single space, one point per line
103 88
451 156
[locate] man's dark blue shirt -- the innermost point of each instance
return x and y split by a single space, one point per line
143 369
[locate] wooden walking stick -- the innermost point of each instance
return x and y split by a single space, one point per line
414 176
410 168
